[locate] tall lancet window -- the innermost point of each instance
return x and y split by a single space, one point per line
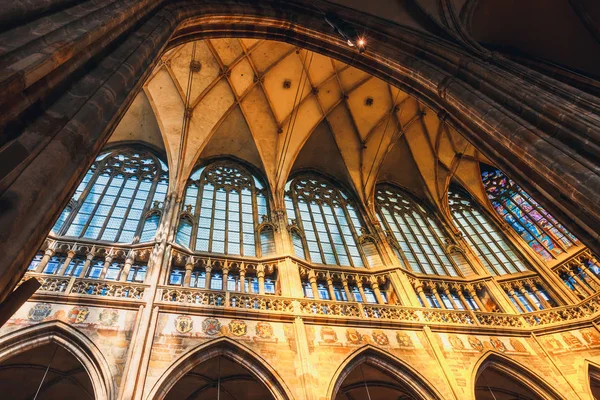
416 231
492 248
224 204
538 228
119 200
328 219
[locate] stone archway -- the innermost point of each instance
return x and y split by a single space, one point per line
76 369
593 371
65 101
500 378
238 371
373 373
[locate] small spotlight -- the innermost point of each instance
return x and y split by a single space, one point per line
362 42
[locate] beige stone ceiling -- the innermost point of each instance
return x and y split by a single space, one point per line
240 107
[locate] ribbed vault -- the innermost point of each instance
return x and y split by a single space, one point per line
283 109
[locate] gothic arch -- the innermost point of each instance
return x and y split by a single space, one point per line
514 371
592 378
62 334
401 371
221 347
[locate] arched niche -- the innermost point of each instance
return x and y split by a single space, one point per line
240 373
500 378
375 374
75 367
594 379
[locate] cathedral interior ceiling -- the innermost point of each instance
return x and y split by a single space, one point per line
250 95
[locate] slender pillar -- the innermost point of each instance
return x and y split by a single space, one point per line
586 291
86 265
260 273
349 294
589 273
208 269
330 287
437 296
419 289
225 276
537 294
526 295
127 267
463 300
45 258
312 279
375 287
513 295
359 285
473 293
107 262
65 265
189 267
446 290
243 278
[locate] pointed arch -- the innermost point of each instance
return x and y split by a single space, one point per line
514 371
407 376
592 378
222 347
72 340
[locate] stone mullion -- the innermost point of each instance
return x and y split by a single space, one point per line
93 212
128 209
438 240
479 253
48 253
112 207
343 236
361 290
395 217
65 265
147 207
392 257
347 290
317 236
590 273
79 202
417 228
212 217
312 280
257 246
330 288
226 240
329 236
127 266
587 291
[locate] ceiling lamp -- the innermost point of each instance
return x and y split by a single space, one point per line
347 32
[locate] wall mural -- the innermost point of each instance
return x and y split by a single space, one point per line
476 344
569 341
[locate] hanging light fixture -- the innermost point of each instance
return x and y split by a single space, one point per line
347 32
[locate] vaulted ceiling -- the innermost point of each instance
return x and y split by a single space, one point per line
284 109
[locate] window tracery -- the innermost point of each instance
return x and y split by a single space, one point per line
224 204
533 223
418 235
113 201
327 219
490 245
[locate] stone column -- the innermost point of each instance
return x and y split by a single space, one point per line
437 296
419 289
243 278
513 295
65 265
349 294
537 294
330 287
312 279
207 269
260 274
446 289
107 262
525 294
86 265
45 258
361 290
473 293
463 300
225 276
585 291
589 273
375 287
127 267
189 267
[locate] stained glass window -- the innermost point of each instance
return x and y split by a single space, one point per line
328 219
538 228
490 245
226 203
417 233
113 200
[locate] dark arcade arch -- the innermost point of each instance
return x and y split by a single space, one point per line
56 359
500 378
594 379
516 117
239 373
375 374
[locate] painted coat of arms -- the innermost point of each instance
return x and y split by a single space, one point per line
517 345
353 336
211 326
237 327
78 314
403 339
39 312
572 341
456 342
475 343
380 337
108 317
184 323
264 330
498 344
591 337
328 335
